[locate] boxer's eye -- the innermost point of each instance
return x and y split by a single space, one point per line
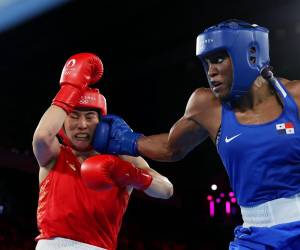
91 116
216 58
74 116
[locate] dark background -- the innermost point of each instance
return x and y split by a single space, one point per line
148 52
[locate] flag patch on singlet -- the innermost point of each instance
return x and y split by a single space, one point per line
285 128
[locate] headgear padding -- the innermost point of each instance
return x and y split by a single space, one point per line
91 98
246 44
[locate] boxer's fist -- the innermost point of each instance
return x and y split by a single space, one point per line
103 171
82 70
114 136
96 172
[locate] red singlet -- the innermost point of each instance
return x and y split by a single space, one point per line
68 209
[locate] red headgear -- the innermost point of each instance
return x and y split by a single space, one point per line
90 99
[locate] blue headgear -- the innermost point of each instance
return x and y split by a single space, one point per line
246 44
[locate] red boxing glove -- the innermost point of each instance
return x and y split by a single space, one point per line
103 171
80 71
96 172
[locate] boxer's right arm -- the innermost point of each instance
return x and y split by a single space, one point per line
186 133
184 136
45 144
80 71
116 136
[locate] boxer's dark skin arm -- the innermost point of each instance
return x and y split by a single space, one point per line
201 119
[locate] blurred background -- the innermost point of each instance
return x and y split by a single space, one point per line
148 51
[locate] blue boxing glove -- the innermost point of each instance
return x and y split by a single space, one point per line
114 136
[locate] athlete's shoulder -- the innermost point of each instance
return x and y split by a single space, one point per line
290 84
204 107
293 86
204 92
204 97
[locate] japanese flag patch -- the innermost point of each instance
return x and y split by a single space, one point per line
285 128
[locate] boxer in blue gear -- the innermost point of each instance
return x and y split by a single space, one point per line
253 118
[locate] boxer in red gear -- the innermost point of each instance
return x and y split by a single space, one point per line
72 213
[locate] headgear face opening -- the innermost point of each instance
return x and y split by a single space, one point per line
246 44
90 99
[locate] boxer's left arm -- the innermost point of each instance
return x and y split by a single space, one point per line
102 172
160 186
